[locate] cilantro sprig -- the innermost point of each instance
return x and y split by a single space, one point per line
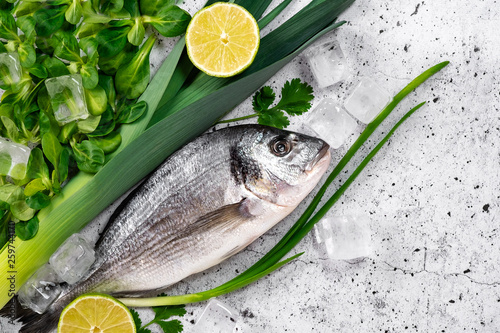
162 314
295 100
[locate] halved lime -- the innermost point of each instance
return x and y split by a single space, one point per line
92 313
222 39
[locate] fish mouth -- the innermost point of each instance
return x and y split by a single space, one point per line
323 156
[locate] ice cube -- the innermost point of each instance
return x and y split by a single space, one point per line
72 259
41 289
327 63
10 69
367 100
13 159
330 122
216 318
344 237
67 98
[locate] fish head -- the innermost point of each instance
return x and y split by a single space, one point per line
279 166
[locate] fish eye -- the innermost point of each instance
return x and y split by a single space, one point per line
280 146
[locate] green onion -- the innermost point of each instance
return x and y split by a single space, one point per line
203 100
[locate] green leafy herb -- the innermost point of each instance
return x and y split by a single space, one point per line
133 78
49 19
295 100
38 200
131 113
88 156
97 101
162 314
169 21
28 229
50 39
108 143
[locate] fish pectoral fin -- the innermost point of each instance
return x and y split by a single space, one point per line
226 217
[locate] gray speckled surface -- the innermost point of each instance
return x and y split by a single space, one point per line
432 194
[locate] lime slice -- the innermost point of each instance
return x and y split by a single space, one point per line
92 313
222 39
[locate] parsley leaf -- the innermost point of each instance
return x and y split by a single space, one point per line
172 326
263 99
162 313
275 118
295 100
295 97
165 312
138 322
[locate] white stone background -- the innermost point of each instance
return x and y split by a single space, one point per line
431 194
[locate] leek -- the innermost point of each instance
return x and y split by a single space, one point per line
85 195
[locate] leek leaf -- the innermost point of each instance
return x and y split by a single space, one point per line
273 14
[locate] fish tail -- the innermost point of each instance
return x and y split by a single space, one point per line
37 323
33 322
